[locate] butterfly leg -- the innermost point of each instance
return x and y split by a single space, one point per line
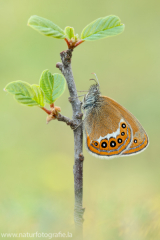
77 96
83 91
70 99
78 125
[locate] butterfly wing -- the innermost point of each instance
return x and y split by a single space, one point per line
108 133
140 139
111 130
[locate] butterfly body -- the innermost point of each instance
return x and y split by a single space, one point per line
110 129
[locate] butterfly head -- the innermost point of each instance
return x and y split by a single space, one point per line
93 90
92 96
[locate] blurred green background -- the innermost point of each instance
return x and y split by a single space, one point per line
121 196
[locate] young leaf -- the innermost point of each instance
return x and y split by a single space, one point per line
24 93
59 86
39 95
69 31
46 27
102 28
52 85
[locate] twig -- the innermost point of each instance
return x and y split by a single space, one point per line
56 115
65 68
67 120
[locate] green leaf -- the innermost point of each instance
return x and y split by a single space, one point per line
39 95
52 85
76 36
102 28
24 93
69 31
46 27
59 86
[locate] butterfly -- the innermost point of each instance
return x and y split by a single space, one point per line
110 129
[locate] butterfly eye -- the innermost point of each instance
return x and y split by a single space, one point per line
135 140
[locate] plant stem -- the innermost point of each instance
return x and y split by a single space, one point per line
65 68
46 110
67 42
79 42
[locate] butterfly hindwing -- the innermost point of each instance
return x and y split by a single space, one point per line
108 133
140 138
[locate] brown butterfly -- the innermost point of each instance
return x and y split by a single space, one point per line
111 130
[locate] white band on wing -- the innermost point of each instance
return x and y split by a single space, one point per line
109 135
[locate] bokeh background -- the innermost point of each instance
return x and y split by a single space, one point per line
121 196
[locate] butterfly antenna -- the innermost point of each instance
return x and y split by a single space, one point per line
93 80
96 78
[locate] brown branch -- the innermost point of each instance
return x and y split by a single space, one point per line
65 68
67 120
